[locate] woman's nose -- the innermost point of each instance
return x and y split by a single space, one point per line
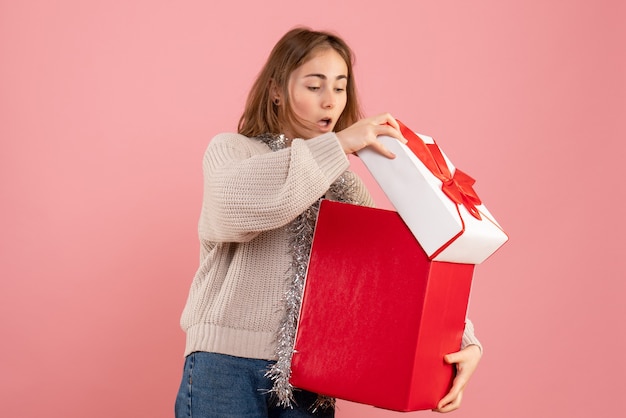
328 100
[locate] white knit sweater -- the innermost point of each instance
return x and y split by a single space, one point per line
251 194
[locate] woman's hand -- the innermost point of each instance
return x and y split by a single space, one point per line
465 362
365 132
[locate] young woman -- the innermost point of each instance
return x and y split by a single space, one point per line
262 185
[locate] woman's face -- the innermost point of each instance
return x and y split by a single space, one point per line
317 90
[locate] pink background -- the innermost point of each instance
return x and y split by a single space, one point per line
107 106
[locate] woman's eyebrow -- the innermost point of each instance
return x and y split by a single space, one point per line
323 77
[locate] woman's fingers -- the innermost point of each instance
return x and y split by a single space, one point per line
381 149
450 403
387 119
389 130
465 362
365 133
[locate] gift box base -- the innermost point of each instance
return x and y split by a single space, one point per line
377 315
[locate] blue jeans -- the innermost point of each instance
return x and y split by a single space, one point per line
222 386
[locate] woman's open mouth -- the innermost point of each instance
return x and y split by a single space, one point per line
325 123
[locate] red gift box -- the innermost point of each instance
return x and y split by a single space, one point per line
377 316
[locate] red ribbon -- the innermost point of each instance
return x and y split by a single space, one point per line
457 187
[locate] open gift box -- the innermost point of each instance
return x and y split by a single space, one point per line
377 315
436 200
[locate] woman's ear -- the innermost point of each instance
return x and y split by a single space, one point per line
275 94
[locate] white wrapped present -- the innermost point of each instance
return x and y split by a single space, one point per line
435 200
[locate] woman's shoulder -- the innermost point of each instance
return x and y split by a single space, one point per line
230 137
231 143
235 140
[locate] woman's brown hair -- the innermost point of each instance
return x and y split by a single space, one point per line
261 115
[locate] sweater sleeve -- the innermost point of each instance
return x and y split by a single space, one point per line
468 336
249 189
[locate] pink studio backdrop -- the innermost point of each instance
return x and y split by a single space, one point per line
107 106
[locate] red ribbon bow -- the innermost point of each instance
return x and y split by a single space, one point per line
457 187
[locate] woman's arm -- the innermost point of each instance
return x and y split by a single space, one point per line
249 189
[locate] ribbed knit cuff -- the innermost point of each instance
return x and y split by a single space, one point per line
468 336
329 155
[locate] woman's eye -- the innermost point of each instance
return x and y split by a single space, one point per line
313 88
339 90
